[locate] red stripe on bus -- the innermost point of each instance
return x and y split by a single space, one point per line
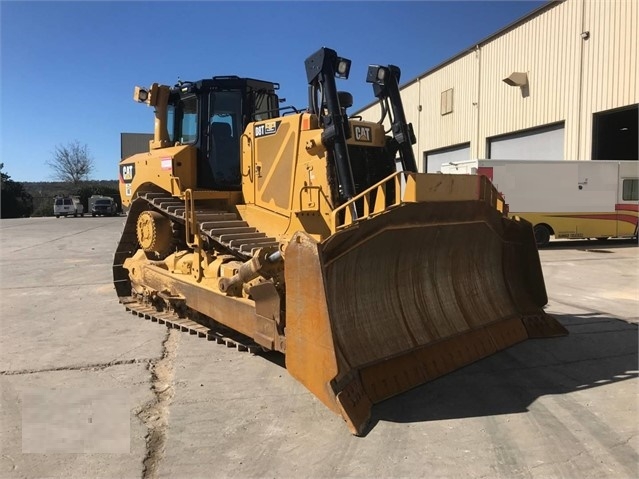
628 219
627 207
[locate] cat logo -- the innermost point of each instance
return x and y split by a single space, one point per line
270 127
363 133
127 173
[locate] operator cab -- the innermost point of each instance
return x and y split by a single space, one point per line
211 115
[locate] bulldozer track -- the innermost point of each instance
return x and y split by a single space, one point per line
223 228
219 334
228 235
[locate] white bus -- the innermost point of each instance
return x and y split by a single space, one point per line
565 199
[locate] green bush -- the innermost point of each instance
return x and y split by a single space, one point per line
15 201
42 206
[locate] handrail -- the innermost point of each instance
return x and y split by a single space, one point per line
190 220
378 207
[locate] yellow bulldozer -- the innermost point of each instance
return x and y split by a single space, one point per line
311 233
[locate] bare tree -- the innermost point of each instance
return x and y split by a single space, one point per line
71 162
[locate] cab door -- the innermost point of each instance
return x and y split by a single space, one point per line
627 206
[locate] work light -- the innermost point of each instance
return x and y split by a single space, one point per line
140 94
343 68
376 74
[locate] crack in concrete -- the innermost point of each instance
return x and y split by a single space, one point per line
56 286
155 413
624 443
79 367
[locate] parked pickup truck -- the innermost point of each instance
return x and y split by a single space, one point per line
102 206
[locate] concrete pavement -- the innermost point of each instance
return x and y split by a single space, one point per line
564 407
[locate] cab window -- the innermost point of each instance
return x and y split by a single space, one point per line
170 123
181 119
266 106
188 130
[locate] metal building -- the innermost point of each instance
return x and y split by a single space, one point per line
558 84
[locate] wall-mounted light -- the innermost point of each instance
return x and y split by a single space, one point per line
516 79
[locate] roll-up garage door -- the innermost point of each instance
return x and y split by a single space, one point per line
539 144
433 160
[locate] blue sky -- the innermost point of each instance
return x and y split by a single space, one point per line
68 68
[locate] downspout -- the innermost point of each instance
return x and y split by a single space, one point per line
581 78
419 123
478 102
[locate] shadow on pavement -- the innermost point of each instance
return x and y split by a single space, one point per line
599 350
591 244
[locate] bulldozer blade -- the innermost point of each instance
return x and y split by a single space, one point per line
407 296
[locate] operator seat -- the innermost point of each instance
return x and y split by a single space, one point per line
226 158
223 139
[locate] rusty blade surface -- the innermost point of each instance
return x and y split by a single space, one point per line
406 297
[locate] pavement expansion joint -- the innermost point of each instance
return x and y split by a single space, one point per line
79 367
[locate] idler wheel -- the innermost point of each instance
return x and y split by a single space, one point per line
154 233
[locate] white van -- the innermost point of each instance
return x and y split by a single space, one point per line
68 205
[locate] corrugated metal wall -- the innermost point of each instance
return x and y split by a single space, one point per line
569 79
411 96
437 130
546 47
609 61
